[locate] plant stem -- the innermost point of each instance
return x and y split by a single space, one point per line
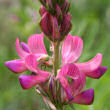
56 61
56 57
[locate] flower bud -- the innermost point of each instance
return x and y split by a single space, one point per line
58 11
50 27
43 2
45 24
65 25
65 7
52 86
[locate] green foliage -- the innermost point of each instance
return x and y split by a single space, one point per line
90 21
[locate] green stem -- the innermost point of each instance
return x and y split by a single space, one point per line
61 108
56 57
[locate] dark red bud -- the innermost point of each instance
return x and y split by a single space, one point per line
45 24
58 11
65 25
49 3
65 7
56 33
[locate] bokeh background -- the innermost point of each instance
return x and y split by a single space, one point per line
20 18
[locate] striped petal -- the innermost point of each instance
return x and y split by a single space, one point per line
36 44
28 81
84 98
71 49
16 66
97 73
91 65
19 50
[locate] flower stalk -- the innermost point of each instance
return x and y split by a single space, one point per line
56 55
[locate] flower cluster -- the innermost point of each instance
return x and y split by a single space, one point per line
56 20
61 82
34 50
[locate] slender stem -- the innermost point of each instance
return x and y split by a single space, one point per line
56 64
56 57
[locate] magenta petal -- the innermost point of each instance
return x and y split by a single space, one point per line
32 65
28 81
97 73
69 70
25 47
19 50
16 66
77 83
71 49
85 98
91 65
36 44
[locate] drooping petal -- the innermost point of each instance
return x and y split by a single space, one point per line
91 65
85 98
97 73
16 66
36 44
71 49
32 64
19 50
28 81
25 47
77 83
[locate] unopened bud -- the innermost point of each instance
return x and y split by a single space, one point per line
52 86
65 25
45 24
65 7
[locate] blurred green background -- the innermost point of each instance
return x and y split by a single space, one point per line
20 18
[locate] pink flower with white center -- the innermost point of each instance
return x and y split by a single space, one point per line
29 54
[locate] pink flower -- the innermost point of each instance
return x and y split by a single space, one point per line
73 88
77 72
71 51
29 53
34 46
